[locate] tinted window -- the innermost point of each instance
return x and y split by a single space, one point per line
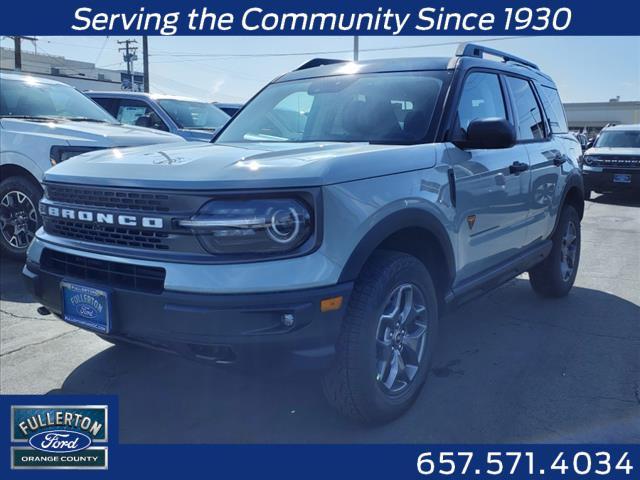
555 110
528 117
109 104
481 98
379 107
194 115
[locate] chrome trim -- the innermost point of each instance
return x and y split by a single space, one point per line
230 223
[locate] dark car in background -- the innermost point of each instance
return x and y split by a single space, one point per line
613 162
192 119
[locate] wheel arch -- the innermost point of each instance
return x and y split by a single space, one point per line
12 170
573 195
413 231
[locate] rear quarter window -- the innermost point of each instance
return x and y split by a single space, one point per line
554 109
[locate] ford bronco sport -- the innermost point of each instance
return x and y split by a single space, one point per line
332 221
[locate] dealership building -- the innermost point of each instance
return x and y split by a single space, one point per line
590 117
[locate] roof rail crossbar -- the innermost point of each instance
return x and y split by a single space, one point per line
317 62
475 50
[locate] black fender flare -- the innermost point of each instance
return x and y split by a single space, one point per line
399 220
574 180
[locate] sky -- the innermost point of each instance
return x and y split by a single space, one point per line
232 69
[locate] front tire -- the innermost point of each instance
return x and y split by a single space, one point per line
386 344
555 276
19 217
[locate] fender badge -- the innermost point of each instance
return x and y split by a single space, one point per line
471 221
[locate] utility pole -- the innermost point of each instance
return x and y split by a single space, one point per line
129 56
17 49
145 63
356 47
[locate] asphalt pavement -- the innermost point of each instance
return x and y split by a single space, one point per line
510 367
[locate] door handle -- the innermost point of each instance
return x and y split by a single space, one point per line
518 167
559 159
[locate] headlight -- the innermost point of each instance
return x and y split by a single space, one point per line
588 159
60 153
256 226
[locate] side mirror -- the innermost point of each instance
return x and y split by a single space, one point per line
589 145
489 133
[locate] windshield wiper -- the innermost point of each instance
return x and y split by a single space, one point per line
42 118
85 119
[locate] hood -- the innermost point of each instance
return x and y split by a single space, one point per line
90 133
198 165
613 151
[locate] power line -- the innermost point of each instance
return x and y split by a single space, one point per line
328 52
104 44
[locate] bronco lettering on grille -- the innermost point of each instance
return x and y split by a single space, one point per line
102 218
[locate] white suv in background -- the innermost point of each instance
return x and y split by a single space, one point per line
42 123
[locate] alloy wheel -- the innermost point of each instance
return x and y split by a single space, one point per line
18 219
401 339
568 251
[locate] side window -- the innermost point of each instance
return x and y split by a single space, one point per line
130 110
481 98
554 109
529 119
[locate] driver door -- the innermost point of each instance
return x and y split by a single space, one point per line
492 185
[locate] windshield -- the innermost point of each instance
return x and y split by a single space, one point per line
377 108
619 139
31 99
194 115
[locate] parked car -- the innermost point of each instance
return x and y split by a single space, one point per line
403 188
612 163
192 119
43 123
229 108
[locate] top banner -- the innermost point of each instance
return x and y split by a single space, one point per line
320 17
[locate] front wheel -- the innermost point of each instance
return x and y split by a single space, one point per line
385 347
19 218
555 276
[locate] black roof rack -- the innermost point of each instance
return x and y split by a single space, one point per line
317 62
478 51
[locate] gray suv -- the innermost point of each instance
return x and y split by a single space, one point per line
331 222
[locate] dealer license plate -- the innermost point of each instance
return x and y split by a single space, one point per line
86 306
621 178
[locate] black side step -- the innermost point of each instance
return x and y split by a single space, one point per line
488 280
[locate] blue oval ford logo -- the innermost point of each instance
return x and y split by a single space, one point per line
87 311
60 441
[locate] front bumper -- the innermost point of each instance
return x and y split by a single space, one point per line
601 179
222 328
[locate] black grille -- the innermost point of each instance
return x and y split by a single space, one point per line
630 161
109 197
110 235
114 274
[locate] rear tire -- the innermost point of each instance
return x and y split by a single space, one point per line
555 276
19 216
387 339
